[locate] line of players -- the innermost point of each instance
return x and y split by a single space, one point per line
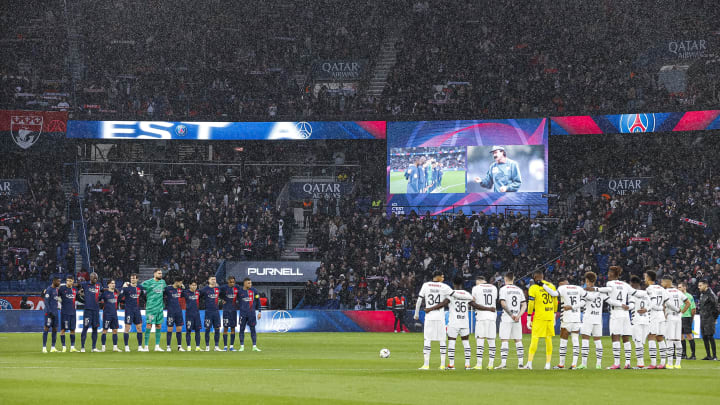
235 300
424 175
651 314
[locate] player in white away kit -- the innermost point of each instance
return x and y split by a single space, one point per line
458 303
677 303
513 303
570 296
592 303
432 293
620 327
640 311
485 297
656 334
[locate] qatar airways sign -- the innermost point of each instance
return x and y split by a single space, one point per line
273 272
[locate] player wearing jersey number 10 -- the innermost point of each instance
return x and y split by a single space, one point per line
543 304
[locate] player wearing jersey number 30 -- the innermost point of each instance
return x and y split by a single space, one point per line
543 303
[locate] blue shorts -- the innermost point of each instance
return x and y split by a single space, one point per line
192 322
174 319
110 322
67 322
247 319
133 317
229 319
212 319
50 320
91 319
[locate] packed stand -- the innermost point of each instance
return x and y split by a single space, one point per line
548 58
34 226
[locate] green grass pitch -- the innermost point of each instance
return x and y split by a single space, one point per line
452 182
332 368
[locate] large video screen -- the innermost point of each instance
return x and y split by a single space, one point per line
473 165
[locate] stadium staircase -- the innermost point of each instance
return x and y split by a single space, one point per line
298 239
385 62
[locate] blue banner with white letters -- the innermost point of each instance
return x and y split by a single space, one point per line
226 131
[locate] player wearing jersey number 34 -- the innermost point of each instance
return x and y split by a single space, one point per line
432 293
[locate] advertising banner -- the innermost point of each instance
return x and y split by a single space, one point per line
26 129
339 70
13 302
13 187
623 185
226 131
635 123
300 190
273 272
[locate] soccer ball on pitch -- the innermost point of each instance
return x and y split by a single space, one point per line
384 353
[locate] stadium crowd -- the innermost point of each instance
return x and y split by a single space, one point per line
554 58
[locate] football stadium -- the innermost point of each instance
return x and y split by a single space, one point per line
410 202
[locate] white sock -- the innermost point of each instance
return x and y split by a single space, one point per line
576 347
504 350
639 353
451 352
616 353
678 352
479 351
598 352
427 345
563 351
585 351
663 352
627 346
491 349
468 352
652 349
520 352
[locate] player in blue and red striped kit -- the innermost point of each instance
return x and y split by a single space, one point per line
211 295
131 294
249 300
174 313
68 296
109 298
91 319
50 295
229 295
192 315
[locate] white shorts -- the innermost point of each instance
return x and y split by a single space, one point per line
510 330
572 327
589 329
453 332
620 326
434 330
485 329
657 328
673 329
640 332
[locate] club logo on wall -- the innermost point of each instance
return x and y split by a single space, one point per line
26 129
304 129
630 123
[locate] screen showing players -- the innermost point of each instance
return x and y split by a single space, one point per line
478 165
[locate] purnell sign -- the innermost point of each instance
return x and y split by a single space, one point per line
273 272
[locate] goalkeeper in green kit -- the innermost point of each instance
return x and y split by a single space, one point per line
154 307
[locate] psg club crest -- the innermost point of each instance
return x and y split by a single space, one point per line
26 129
304 129
630 123
181 130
